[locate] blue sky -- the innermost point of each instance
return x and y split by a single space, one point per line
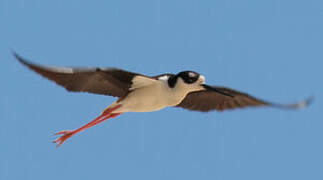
271 49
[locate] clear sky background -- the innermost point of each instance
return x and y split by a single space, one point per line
272 49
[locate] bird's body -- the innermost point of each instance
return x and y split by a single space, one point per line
148 94
140 93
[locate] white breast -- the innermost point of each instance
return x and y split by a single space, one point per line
151 95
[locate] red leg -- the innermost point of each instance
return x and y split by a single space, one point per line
104 116
112 115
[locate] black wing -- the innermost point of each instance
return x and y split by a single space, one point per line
106 81
222 98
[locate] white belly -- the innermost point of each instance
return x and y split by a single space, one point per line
151 98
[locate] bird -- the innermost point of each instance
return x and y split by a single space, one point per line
141 93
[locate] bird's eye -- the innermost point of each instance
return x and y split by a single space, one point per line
191 75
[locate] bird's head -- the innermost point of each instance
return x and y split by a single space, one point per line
188 80
191 77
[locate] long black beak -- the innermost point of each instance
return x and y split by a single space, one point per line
210 88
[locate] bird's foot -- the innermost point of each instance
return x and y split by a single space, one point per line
65 135
107 114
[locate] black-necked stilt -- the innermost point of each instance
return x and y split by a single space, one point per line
140 93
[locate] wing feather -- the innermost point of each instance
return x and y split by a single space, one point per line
106 81
208 100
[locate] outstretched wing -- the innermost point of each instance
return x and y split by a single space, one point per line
210 99
106 81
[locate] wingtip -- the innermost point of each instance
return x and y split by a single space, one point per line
300 105
15 55
18 57
305 103
21 59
